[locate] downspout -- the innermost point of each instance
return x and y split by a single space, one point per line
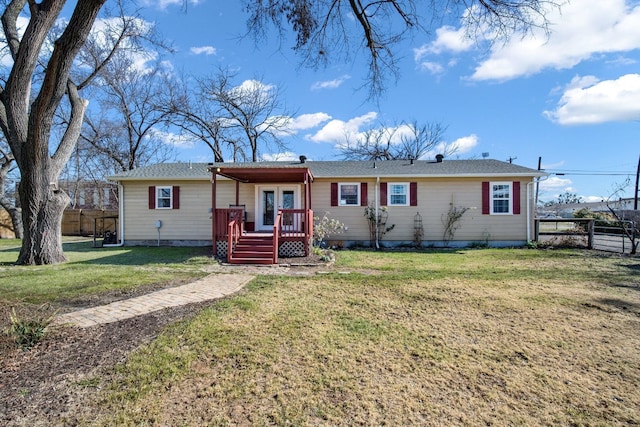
377 205
529 210
537 183
120 218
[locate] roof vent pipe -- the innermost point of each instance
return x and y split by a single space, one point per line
303 159
439 158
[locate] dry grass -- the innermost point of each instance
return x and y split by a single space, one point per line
507 337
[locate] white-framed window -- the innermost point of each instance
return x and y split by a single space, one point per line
501 193
398 194
164 197
349 194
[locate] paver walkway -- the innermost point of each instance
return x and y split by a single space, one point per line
211 287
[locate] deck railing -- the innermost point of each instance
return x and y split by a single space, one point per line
276 236
234 231
291 224
296 224
222 219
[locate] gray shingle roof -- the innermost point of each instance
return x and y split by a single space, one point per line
171 171
341 169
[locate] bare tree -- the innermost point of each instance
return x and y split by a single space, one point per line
37 84
122 132
629 227
241 119
325 32
403 141
196 116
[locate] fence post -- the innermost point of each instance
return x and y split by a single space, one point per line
592 227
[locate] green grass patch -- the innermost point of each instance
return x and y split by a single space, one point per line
91 271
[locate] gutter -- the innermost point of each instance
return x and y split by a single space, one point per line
120 218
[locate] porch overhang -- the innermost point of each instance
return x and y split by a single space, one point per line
265 174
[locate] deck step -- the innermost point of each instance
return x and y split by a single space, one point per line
253 250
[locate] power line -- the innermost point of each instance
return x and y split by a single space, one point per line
592 173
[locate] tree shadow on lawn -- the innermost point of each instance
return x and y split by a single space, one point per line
143 255
622 305
130 255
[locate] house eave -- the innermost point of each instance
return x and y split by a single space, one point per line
427 176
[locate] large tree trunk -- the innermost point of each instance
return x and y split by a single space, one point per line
43 205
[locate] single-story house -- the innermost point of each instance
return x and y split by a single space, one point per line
259 206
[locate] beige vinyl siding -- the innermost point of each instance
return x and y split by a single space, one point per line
190 222
434 200
351 216
436 196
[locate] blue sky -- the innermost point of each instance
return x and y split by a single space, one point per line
572 98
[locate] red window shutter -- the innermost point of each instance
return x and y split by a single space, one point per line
176 197
516 197
152 197
383 194
334 194
413 194
364 193
486 198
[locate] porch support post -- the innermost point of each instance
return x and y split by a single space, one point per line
237 192
213 212
308 185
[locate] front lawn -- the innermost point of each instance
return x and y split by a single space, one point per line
92 271
469 337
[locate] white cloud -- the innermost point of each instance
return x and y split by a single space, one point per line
555 183
448 39
308 121
465 144
432 67
163 4
578 31
173 139
287 156
330 84
203 50
337 130
253 86
460 146
587 100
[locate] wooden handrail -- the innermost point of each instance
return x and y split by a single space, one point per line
276 236
233 235
309 232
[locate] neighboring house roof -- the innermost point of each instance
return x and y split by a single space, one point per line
341 169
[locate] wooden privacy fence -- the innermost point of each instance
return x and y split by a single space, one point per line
80 222
6 226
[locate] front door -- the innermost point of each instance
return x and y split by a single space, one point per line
270 199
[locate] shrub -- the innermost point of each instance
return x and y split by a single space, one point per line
27 332
325 227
